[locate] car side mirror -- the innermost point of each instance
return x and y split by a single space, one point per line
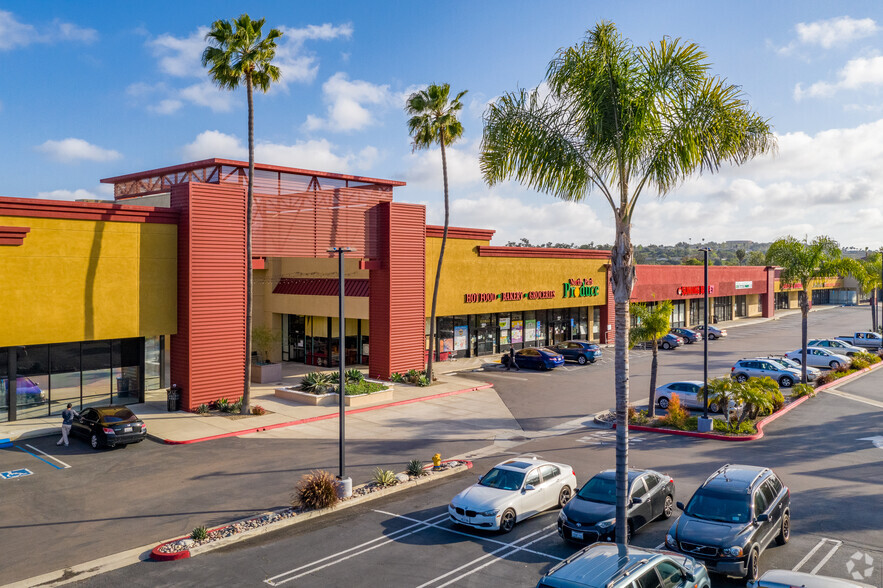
637 500
689 576
481 477
680 505
762 517
529 487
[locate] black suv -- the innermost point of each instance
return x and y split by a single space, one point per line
732 518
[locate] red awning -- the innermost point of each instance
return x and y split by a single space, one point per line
321 287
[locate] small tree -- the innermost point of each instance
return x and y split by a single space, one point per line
264 339
722 391
653 324
867 272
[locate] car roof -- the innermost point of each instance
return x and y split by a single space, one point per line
694 382
741 476
524 463
633 473
789 578
599 565
110 408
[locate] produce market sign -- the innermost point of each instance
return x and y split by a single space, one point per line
579 288
744 285
509 296
694 290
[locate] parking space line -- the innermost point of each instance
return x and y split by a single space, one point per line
813 551
395 535
513 546
49 456
849 396
826 558
40 458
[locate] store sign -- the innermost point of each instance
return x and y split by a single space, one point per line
744 285
509 296
580 288
694 290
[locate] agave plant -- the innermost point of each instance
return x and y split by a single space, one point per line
354 375
397 377
315 383
385 478
199 534
415 469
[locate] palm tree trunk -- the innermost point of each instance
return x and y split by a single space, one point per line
651 411
441 256
246 389
623 277
804 322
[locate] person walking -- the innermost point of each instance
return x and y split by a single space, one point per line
67 420
512 363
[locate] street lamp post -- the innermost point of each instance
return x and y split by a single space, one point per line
705 423
345 488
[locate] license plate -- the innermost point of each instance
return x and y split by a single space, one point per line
576 534
127 429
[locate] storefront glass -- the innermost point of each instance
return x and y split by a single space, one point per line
741 306
96 376
783 301
722 309
697 311
596 324
503 323
517 330
821 296
153 347
485 334
4 384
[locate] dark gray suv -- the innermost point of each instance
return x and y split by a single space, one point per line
732 518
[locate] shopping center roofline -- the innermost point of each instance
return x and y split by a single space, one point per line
260 166
460 233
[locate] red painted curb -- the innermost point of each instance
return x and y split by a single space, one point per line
324 416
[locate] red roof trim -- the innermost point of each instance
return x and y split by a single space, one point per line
356 287
32 207
13 235
543 252
460 233
262 166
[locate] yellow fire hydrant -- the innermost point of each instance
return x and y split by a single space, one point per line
436 461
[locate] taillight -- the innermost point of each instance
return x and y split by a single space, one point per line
573 473
143 426
108 430
671 480
733 369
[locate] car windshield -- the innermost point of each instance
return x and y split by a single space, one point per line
599 489
503 479
117 416
788 362
719 506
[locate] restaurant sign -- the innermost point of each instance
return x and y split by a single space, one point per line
694 290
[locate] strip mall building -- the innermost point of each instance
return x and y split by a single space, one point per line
104 301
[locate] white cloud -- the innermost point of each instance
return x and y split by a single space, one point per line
14 33
166 106
855 75
318 154
424 168
180 57
346 104
835 31
79 194
207 94
72 149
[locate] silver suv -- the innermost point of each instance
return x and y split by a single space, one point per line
763 367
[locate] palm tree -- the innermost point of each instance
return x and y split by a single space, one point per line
239 53
621 119
434 121
869 278
653 323
801 263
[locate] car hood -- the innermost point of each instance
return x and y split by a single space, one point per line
708 532
478 497
588 512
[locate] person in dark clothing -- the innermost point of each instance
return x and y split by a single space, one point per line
67 418
512 363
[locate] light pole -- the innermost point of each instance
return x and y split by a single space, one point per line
345 488
705 422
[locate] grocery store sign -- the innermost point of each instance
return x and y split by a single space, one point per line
694 290
580 288
744 285
509 296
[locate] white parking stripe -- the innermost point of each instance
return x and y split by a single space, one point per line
812 552
491 554
47 455
826 558
389 538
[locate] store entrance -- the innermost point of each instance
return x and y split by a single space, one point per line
559 331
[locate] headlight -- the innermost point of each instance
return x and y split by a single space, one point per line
562 517
669 540
734 551
489 513
605 524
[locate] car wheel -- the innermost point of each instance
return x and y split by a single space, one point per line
667 508
564 496
751 570
714 407
797 361
666 345
741 378
786 382
785 532
507 521
505 360
581 360
835 365
712 336
95 442
663 403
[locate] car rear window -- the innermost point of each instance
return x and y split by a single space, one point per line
726 507
117 416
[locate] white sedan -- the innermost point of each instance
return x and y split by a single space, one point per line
513 491
820 357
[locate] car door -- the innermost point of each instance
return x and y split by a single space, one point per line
670 574
690 396
531 500
640 514
82 426
655 495
551 484
528 358
762 528
774 509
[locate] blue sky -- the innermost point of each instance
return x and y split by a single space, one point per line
93 90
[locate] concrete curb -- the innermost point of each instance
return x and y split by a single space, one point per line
309 515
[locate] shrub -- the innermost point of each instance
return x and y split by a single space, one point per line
415 469
202 409
745 427
354 375
859 363
385 478
413 376
826 378
777 400
363 387
677 416
318 489
800 390
236 407
315 383
866 356
422 380
397 377
199 534
223 404
632 413
258 410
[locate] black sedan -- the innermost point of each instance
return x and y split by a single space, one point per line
109 426
591 515
581 352
538 358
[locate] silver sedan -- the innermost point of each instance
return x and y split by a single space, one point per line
820 357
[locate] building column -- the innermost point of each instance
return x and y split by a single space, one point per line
768 298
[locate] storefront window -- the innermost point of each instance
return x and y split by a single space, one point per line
4 385
741 305
583 324
126 360
64 378
152 363
679 313
723 309
503 321
485 334
461 336
542 324
445 334
697 311
96 373
596 324
530 328
517 330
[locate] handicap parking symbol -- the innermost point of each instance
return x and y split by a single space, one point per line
12 474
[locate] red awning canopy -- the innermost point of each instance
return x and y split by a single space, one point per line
321 287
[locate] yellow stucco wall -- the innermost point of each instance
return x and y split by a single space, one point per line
464 272
80 280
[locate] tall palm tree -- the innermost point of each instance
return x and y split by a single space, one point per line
239 53
653 323
870 279
434 121
621 119
801 263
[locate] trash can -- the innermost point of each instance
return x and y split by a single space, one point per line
173 399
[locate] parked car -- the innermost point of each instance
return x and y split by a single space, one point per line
511 492
819 356
670 341
789 579
539 358
591 515
27 391
109 426
607 565
836 345
688 335
865 339
812 374
581 352
688 394
713 332
732 518
762 367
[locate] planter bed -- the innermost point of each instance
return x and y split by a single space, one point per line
331 398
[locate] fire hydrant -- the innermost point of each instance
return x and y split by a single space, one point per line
436 461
